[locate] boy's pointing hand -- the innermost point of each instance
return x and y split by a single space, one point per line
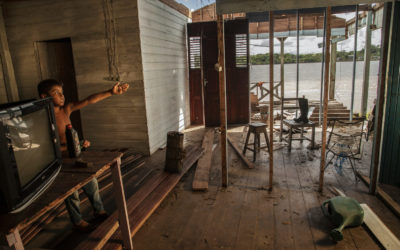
119 89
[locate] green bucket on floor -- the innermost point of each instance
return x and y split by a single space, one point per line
343 212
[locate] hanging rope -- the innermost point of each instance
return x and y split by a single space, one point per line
110 39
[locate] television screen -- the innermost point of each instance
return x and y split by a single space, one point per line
31 140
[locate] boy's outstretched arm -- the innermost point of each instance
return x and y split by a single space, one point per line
118 89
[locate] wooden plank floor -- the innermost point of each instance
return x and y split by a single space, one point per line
247 216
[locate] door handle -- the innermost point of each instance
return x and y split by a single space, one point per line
205 82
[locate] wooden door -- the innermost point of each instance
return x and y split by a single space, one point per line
203 78
209 53
56 61
237 71
195 74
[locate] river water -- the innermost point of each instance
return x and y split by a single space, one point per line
310 81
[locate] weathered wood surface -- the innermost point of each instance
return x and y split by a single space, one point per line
175 152
325 100
10 84
288 217
379 229
141 213
222 99
240 154
121 204
83 22
99 237
271 100
201 176
64 185
393 205
163 46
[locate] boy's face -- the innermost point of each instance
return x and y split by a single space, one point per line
58 97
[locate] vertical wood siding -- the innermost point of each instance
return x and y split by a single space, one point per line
165 69
119 121
3 93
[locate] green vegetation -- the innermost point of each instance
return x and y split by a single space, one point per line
342 56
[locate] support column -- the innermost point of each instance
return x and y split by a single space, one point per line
332 72
282 40
297 54
326 82
7 66
222 99
323 63
367 59
271 98
380 102
354 66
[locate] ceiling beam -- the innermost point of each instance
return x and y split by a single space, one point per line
235 6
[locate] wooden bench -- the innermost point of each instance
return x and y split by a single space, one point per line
68 181
140 206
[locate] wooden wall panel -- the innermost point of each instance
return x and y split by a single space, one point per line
119 121
3 93
165 69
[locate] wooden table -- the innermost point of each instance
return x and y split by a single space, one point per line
70 179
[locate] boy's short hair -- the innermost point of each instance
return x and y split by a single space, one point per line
45 85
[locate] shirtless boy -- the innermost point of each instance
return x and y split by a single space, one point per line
53 88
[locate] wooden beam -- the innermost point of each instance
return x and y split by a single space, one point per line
121 204
393 205
236 6
332 72
367 59
6 62
202 174
239 153
222 99
379 109
379 229
353 82
376 226
325 107
271 99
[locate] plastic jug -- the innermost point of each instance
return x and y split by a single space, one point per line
343 212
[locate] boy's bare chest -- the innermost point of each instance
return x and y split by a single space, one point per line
62 120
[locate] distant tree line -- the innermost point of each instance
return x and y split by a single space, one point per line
341 56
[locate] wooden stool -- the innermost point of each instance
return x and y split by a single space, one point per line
256 128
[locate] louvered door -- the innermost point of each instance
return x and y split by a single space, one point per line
203 78
237 71
195 75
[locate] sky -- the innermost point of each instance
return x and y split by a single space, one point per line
308 44
195 4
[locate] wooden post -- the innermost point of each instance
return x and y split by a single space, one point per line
175 152
222 99
14 240
271 98
367 59
326 82
282 40
353 84
332 71
379 109
121 204
8 69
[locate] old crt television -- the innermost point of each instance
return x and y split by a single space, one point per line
30 156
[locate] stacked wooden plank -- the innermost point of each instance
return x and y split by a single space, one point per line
201 176
130 162
140 206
